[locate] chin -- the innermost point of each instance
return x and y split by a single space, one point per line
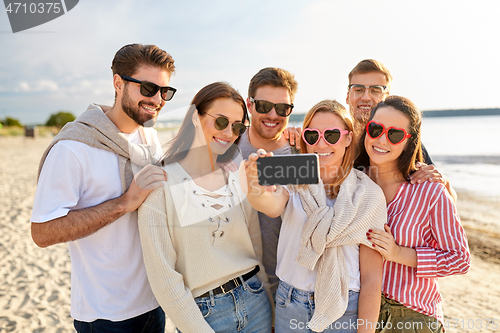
218 150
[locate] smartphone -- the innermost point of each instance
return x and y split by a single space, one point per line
288 169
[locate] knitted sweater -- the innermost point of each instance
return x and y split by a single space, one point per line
360 205
190 247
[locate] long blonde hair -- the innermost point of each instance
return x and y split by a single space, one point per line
332 106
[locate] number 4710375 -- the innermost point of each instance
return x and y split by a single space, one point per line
41 7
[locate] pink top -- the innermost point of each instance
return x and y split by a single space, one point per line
424 217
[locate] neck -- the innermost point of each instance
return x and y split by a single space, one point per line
121 120
385 174
329 174
267 144
198 161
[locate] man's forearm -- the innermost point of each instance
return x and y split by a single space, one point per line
78 223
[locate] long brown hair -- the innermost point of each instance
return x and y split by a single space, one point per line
179 147
332 106
412 153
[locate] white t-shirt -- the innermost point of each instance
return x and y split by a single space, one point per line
108 277
288 269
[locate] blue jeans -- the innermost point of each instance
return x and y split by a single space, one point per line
149 322
245 309
295 308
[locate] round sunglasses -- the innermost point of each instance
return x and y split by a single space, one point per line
282 109
222 122
149 89
394 135
332 136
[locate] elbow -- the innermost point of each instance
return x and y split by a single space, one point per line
38 235
466 266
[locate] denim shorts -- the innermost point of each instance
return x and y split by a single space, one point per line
295 308
151 322
244 309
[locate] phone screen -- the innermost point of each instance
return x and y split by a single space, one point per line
288 169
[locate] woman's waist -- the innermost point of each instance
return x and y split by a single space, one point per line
202 279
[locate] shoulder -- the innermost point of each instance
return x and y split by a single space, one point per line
68 149
362 180
433 189
429 192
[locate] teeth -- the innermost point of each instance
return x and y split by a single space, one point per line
221 141
270 124
380 150
324 154
149 108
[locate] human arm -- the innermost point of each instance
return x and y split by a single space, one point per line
450 255
383 242
370 269
57 221
270 200
160 259
447 252
430 173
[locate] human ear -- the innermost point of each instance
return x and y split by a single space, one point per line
118 84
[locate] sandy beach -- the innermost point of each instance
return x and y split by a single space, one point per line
35 282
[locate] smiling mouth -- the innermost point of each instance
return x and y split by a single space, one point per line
270 125
365 108
150 109
324 154
380 150
221 142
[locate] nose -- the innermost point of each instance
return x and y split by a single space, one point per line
273 114
228 131
366 95
383 139
156 99
322 143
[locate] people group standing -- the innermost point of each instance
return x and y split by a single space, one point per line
179 230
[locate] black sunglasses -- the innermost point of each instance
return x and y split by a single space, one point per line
149 89
282 109
222 122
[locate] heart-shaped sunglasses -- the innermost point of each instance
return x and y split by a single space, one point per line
332 136
394 135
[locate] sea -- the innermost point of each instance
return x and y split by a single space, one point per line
466 150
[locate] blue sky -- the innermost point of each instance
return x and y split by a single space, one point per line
442 54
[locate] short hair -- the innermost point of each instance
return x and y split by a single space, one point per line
180 145
130 57
412 152
369 66
334 107
276 77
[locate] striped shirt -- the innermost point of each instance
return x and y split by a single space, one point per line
424 217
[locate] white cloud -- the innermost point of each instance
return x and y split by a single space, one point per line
37 86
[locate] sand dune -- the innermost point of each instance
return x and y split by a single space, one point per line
35 283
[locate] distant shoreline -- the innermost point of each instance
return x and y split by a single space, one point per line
461 113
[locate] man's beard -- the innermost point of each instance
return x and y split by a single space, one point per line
269 134
134 111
